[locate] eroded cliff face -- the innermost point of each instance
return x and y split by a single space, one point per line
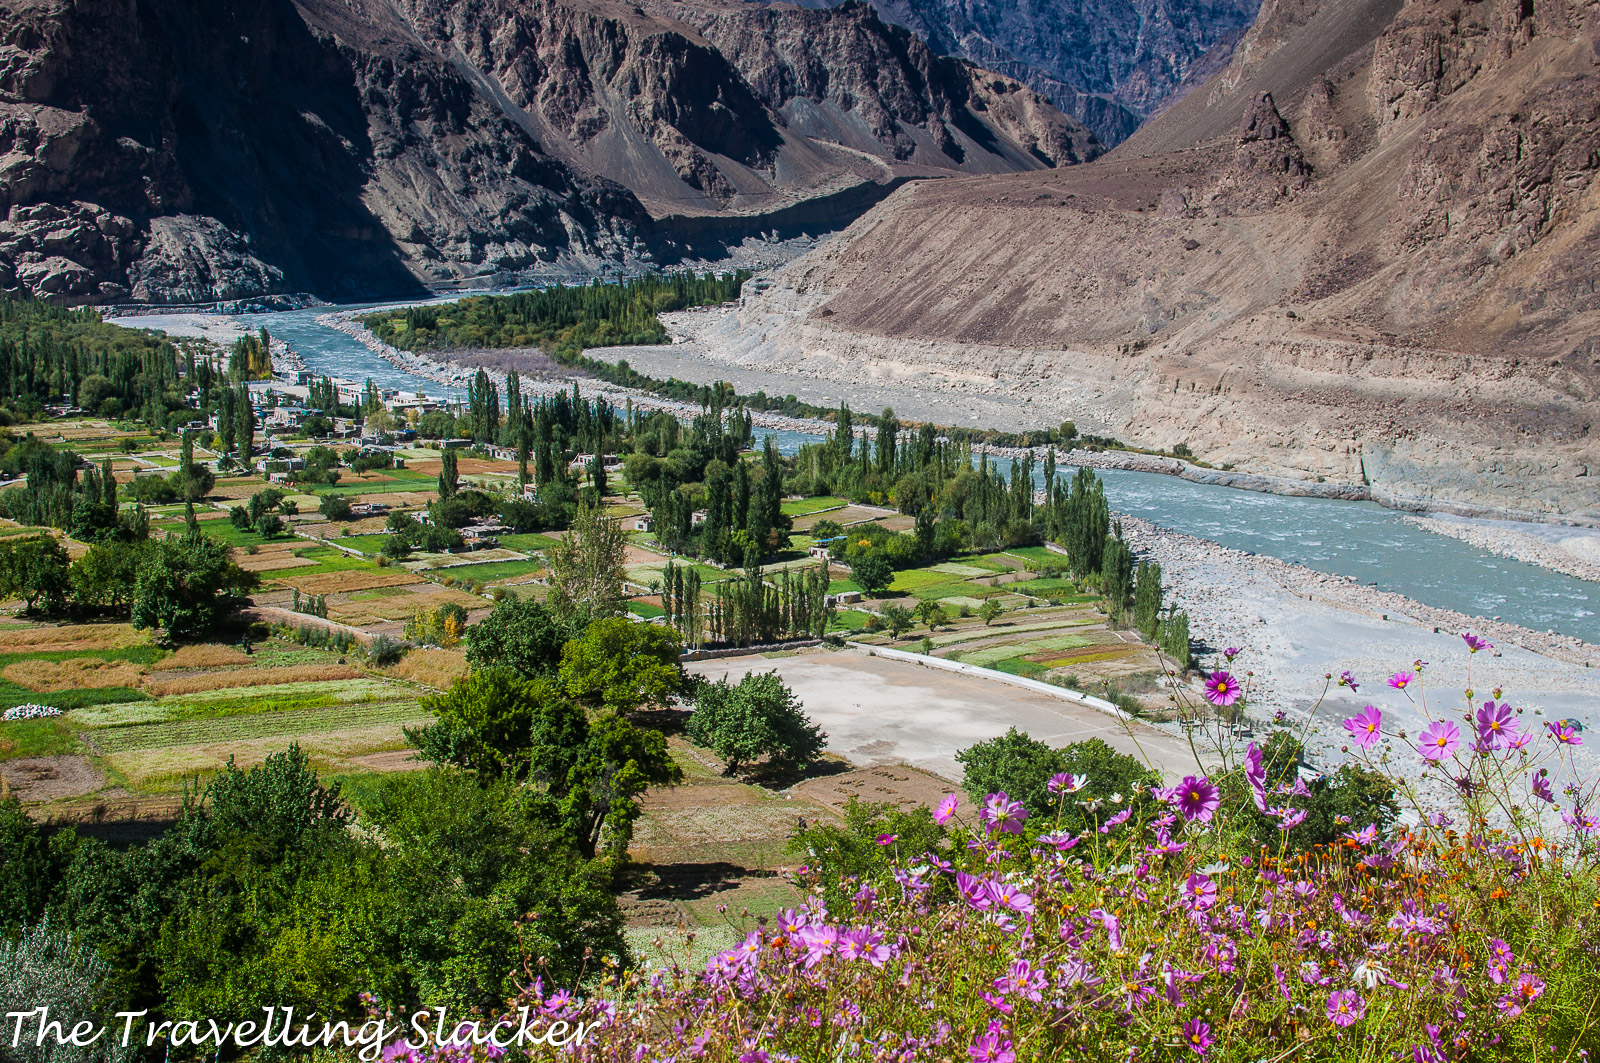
1364 250
180 151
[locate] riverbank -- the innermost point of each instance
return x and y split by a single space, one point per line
1559 549
1297 627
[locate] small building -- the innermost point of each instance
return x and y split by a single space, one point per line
500 453
844 598
820 552
697 518
455 444
642 523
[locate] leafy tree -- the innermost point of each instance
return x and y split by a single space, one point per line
186 585
193 482
395 547
990 611
897 618
334 507
758 717
872 573
35 569
440 626
1147 598
269 526
519 633
448 476
500 725
1116 579
621 664
31 866
586 567
106 577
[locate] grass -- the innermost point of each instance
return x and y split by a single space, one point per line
37 738
528 541
840 586
490 571
435 668
202 730
252 677
987 656
850 620
646 610
805 506
1052 587
367 544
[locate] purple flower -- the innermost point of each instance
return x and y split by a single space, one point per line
864 944
946 809
1346 1007
1497 727
1475 643
992 1047
1003 814
1010 899
1197 1037
1066 783
1563 732
1196 798
1542 790
1222 689
1200 892
819 942
975 891
1438 740
887 839
1256 776
1365 726
1365 836
1346 679
1288 817
1581 821
1401 680
1528 988
1113 927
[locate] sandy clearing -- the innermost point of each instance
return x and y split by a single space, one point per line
878 711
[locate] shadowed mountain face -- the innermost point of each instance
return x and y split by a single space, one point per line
1108 64
198 150
1364 250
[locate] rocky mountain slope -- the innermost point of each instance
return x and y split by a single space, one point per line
182 151
1109 65
1364 250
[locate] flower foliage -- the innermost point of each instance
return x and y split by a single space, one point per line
1161 929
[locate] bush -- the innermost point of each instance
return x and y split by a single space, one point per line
44 968
872 573
758 717
383 651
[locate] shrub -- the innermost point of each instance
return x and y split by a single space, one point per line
758 717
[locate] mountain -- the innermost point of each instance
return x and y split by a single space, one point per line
1108 64
1363 251
197 150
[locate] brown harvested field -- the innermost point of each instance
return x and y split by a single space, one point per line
400 606
37 779
202 655
434 668
252 677
328 750
76 673
273 562
903 787
332 530
354 580
484 467
71 637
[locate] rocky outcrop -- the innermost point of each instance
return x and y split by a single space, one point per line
184 150
1109 65
1363 252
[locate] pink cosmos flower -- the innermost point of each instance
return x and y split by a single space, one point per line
1581 821
1401 680
1564 733
1348 679
819 942
1365 836
1200 892
1528 988
1438 740
1256 776
1003 814
1287 816
1066 783
1541 789
863 944
1196 798
1475 643
947 809
1346 1007
887 839
1197 1037
1497 727
1011 899
1365 726
1222 689
992 1046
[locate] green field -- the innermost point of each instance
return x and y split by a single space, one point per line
805 506
487 572
990 656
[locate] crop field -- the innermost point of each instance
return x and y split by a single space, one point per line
139 720
804 506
